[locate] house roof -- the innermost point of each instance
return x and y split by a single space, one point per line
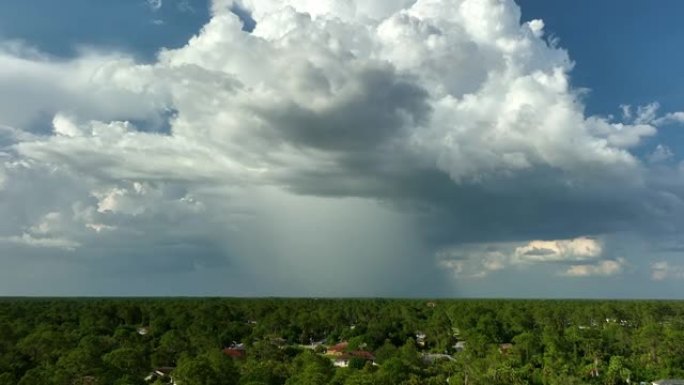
342 346
362 354
670 381
234 352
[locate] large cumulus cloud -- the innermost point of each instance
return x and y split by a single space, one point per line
335 143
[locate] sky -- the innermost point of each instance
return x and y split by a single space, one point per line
342 148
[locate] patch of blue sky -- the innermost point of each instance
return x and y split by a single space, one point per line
138 27
625 51
162 125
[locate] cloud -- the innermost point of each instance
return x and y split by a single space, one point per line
670 118
577 249
662 270
660 154
400 128
473 261
585 257
184 6
31 241
36 88
3 178
649 115
154 5
603 268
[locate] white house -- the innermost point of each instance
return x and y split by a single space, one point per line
164 374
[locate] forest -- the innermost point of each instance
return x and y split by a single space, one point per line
224 341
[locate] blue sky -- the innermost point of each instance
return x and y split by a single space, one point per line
136 26
162 148
626 52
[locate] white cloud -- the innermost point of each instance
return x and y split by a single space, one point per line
185 6
647 114
63 126
621 135
480 259
48 232
154 5
499 96
537 27
662 270
31 241
669 118
608 267
35 88
473 261
578 249
579 257
660 154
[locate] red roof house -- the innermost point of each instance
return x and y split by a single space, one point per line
234 352
338 349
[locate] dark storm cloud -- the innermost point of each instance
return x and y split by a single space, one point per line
379 106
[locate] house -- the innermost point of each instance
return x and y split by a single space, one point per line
235 353
459 346
338 349
626 323
420 338
235 350
431 304
368 356
342 361
162 374
143 331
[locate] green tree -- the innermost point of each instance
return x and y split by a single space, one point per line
7 379
127 360
208 369
617 372
311 369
